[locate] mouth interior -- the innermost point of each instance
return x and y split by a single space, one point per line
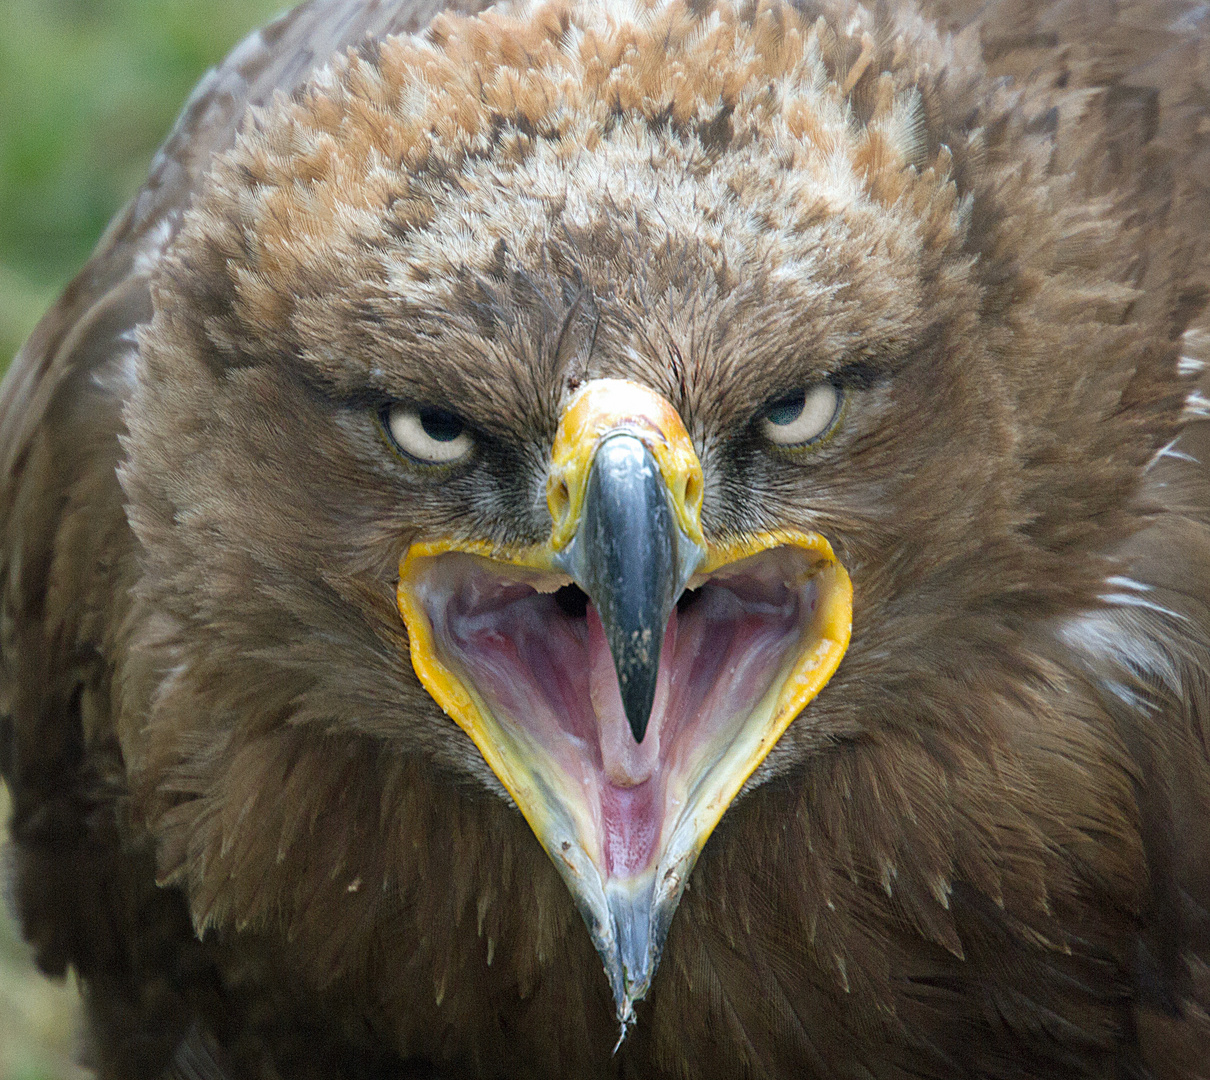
530 647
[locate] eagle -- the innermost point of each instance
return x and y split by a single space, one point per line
632 538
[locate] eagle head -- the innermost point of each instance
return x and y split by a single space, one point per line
580 419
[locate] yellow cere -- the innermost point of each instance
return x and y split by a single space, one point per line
604 406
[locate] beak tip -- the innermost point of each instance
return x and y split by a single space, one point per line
637 702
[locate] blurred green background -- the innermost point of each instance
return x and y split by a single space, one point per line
88 89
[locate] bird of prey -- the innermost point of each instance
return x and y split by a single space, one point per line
632 538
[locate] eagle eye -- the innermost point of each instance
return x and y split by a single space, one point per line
802 417
427 434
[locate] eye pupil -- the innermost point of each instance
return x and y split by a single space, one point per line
439 425
803 416
426 434
787 410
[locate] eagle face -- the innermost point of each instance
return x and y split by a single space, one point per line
542 402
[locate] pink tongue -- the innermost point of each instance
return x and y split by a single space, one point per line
631 817
630 801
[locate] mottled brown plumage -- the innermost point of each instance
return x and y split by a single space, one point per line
982 850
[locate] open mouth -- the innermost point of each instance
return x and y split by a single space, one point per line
624 679
519 657
531 647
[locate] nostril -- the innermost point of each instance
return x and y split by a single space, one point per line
559 501
692 492
572 601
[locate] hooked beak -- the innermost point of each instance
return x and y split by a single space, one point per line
625 678
632 559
